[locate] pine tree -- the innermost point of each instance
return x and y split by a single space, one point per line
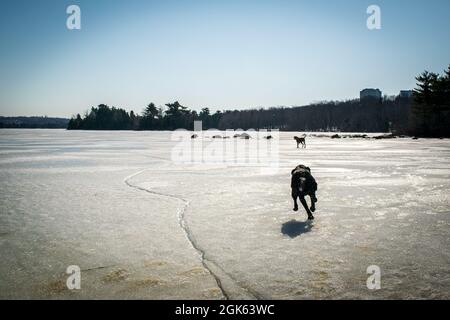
422 110
151 111
431 109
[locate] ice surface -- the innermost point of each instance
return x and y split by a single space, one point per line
141 226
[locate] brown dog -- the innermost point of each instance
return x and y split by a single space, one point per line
301 140
303 184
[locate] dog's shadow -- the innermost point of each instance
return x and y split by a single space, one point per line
295 228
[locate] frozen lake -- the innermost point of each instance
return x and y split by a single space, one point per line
141 226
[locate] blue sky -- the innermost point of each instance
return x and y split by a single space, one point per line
218 54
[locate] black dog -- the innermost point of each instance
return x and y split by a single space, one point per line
303 184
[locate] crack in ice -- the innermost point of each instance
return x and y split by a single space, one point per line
183 225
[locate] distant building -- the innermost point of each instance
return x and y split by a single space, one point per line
370 94
405 93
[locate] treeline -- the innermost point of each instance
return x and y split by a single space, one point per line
424 114
369 115
105 118
33 122
175 116
351 116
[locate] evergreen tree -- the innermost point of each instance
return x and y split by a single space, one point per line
151 111
430 112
